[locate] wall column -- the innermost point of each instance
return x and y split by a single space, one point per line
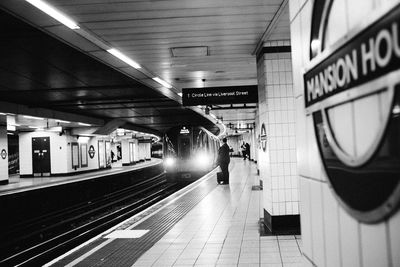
277 155
3 150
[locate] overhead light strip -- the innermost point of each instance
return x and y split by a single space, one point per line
163 83
124 58
61 121
51 11
84 124
32 117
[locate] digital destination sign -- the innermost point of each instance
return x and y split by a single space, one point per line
220 95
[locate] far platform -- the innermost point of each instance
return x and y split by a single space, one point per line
17 184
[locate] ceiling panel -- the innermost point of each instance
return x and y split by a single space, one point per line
146 31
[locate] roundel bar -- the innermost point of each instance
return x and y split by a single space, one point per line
352 93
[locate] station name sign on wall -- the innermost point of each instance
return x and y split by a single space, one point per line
366 57
352 93
220 95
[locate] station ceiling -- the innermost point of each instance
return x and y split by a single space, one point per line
186 43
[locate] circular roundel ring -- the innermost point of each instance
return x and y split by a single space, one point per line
3 154
263 138
352 92
91 151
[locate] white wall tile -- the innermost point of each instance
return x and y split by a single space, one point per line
314 158
297 59
331 222
294 7
281 170
295 196
305 211
295 206
349 240
301 136
317 233
281 183
288 181
289 208
288 195
286 155
394 234
374 248
305 15
275 195
274 182
282 208
281 193
275 208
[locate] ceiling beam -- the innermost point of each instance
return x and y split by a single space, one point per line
133 107
270 28
91 102
225 108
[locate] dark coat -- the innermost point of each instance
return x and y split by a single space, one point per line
223 154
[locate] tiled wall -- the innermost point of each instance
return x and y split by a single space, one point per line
331 237
278 166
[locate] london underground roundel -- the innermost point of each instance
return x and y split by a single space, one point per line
352 92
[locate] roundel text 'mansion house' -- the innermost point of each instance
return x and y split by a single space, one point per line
348 98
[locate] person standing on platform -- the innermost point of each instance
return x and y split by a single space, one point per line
248 150
244 151
224 159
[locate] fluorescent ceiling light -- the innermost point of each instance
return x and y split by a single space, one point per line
51 11
11 128
57 129
31 117
124 58
163 83
83 139
61 121
84 124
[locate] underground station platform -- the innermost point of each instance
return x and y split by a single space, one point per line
203 224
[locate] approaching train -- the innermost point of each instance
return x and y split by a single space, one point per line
189 153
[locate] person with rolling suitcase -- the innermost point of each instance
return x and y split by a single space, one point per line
223 162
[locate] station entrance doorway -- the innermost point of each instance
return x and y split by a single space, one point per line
41 156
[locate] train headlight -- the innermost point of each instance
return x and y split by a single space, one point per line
202 159
169 162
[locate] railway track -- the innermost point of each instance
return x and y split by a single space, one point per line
37 241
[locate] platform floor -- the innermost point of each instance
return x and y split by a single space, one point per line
17 184
205 224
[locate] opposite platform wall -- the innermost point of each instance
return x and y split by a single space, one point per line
331 237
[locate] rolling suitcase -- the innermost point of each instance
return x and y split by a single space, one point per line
220 177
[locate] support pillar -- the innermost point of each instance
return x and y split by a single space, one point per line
277 153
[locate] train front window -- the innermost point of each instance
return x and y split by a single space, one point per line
184 148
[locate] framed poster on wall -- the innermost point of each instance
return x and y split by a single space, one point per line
108 153
131 160
102 162
84 154
75 155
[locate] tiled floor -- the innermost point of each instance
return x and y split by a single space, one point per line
223 230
